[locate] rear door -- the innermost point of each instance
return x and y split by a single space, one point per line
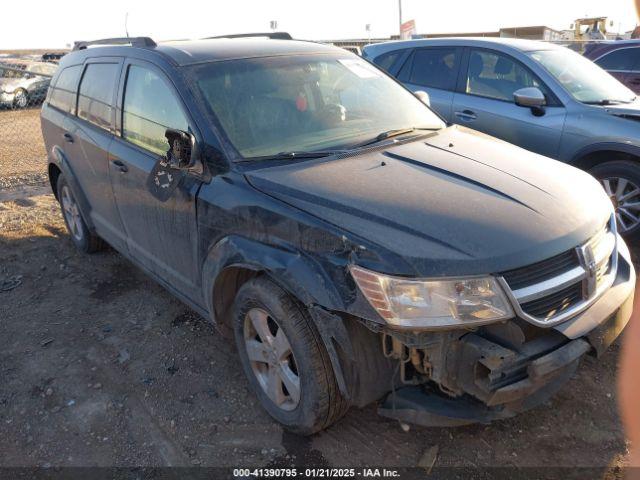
161 235
434 70
485 102
88 135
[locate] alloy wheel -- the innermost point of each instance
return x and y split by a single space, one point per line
625 196
271 358
20 99
71 213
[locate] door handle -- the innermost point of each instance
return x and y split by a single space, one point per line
635 81
120 166
466 115
68 137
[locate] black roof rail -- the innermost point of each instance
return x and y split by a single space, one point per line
271 35
133 41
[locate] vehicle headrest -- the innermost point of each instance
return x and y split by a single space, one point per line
503 66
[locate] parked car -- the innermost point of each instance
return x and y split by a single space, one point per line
620 58
24 83
540 96
331 223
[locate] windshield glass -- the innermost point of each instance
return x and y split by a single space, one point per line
306 103
582 78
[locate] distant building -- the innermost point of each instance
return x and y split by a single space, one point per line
532 33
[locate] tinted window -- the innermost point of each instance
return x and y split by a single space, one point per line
386 60
150 107
435 68
96 93
623 59
497 76
63 95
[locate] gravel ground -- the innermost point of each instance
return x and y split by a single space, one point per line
102 367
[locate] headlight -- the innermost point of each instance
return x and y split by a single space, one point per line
409 303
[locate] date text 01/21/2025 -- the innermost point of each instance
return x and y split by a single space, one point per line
315 473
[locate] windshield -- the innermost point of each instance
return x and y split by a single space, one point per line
304 103
583 79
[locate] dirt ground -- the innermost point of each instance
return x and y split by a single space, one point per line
100 366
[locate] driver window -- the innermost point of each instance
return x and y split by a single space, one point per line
496 76
150 107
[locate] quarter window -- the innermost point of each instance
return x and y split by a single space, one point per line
624 59
435 68
150 108
493 75
96 93
63 94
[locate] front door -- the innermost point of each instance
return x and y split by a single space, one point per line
486 103
162 235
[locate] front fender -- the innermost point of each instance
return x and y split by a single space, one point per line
295 271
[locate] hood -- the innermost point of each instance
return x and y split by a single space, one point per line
457 203
625 110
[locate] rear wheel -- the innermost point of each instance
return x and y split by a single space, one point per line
621 180
82 238
284 358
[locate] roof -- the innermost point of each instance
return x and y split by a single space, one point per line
189 52
513 43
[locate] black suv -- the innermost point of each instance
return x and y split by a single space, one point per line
351 242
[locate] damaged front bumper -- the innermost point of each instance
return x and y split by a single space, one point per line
6 98
494 373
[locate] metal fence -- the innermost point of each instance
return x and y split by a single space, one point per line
24 81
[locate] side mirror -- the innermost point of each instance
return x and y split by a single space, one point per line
181 146
530 97
423 97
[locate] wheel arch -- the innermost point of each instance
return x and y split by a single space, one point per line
233 260
593 155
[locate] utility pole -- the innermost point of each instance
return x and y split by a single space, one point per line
400 18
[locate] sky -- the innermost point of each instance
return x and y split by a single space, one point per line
58 23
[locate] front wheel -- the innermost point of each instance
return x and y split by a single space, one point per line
284 358
20 98
621 180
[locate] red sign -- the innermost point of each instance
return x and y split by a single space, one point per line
408 29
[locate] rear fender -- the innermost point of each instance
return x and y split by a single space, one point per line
59 159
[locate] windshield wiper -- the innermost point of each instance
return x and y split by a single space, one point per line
392 133
293 155
608 101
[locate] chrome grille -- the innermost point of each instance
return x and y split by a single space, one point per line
540 271
554 290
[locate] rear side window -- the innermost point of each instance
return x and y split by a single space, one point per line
435 68
386 60
150 107
624 59
96 93
63 94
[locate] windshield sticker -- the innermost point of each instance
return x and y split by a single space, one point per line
360 68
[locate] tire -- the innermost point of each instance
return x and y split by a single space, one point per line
82 238
621 181
20 98
319 403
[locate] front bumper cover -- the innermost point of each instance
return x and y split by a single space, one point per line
499 382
